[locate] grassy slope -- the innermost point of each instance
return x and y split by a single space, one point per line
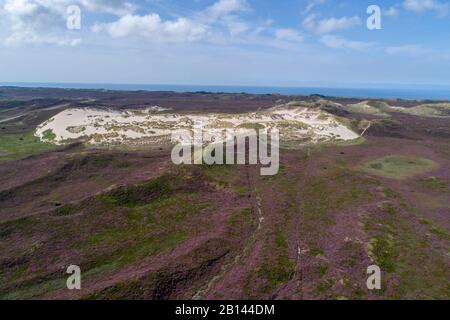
302 206
119 229
15 146
413 266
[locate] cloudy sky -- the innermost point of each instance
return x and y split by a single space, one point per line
226 42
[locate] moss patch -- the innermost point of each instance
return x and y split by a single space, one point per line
400 167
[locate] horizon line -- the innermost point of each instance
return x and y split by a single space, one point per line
367 86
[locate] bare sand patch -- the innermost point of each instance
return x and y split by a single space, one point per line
104 126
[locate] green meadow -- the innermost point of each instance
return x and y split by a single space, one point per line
400 167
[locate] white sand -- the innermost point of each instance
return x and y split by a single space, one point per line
101 126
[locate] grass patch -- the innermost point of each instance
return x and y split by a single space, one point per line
322 199
66 210
227 177
14 146
142 194
240 221
280 269
382 249
441 233
400 167
276 269
35 290
435 184
13 226
146 229
350 252
53 285
48 135
398 247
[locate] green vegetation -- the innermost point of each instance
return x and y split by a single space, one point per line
120 228
239 221
441 233
15 146
77 129
48 135
280 269
365 108
303 207
350 251
427 110
321 200
35 290
254 126
19 225
51 285
400 167
401 250
64 211
222 124
276 269
142 194
190 269
382 249
435 184
228 177
152 219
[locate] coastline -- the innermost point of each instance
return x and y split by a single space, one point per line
403 92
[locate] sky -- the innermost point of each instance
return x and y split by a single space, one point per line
226 42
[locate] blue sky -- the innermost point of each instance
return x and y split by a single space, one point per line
226 42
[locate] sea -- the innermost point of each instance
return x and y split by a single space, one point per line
415 92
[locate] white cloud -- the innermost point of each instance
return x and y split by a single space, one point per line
44 21
313 3
235 25
209 24
329 25
391 12
265 26
409 50
115 7
27 7
19 7
420 6
152 27
310 22
288 35
226 13
29 37
226 7
337 42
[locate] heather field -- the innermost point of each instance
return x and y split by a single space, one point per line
141 227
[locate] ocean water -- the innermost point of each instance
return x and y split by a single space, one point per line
403 92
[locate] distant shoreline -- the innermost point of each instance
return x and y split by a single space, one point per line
408 93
